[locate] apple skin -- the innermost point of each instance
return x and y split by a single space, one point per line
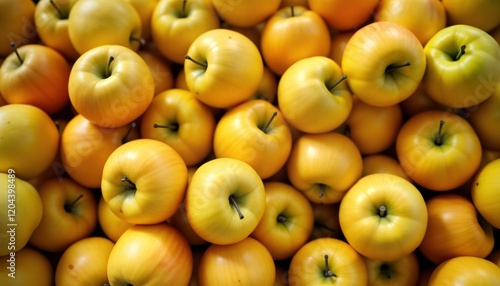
485 192
18 24
25 274
465 270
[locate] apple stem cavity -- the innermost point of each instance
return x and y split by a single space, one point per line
322 189
439 137
232 201
125 137
14 48
131 186
107 73
269 122
281 218
390 68
328 272
344 77
187 57
68 207
59 12
173 126
382 211
183 11
461 53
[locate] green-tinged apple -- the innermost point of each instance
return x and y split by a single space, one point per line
37 75
84 262
247 263
313 95
465 270
326 221
297 27
246 13
438 150
482 14
145 10
111 225
463 66
178 119
51 21
69 214
223 68
94 23
455 229
343 15
161 70
111 86
181 22
287 222
485 192
85 147
383 217
423 17
225 200
21 209
28 267
484 118
403 271
17 25
324 166
325 261
154 254
29 140
256 133
373 128
384 63
144 181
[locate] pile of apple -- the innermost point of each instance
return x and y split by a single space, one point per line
249 142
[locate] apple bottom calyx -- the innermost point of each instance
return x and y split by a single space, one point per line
328 272
232 201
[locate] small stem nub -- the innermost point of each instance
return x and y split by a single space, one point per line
187 57
382 211
344 77
183 12
69 206
281 218
54 4
107 73
439 137
461 53
292 10
235 204
125 137
269 122
394 67
14 48
131 186
328 272
322 189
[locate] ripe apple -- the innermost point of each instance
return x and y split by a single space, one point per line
225 200
326 221
419 101
339 41
180 22
439 150
324 166
110 85
328 101
256 133
287 222
465 270
423 17
485 192
484 117
297 27
145 10
37 75
344 15
403 271
20 210
144 181
384 63
69 214
51 21
94 23
383 217
452 77
161 70
17 25
455 229
155 254
84 262
245 13
268 87
223 68
180 221
31 267
85 147
482 14
29 140
178 119
112 226
382 163
327 260
247 262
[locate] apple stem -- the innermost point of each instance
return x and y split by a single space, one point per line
173 127
439 138
382 211
141 41
328 272
269 122
321 190
281 218
393 67
125 137
131 186
54 4
233 202
14 48
344 77
292 10
68 207
183 12
461 53
111 59
187 57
